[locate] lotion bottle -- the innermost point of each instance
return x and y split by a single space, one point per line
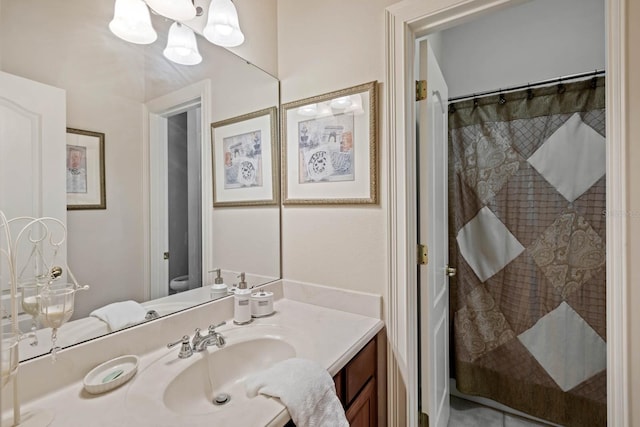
241 305
218 289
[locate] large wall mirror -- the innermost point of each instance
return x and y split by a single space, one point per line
160 237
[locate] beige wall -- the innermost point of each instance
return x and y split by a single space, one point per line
243 239
633 147
345 247
258 21
325 46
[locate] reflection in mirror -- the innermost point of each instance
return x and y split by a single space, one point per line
159 226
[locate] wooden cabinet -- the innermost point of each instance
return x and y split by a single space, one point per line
356 387
358 371
363 410
359 390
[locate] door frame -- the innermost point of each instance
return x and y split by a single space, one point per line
411 19
155 237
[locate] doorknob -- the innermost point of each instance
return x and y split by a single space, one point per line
451 271
166 255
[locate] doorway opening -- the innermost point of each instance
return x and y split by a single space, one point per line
498 52
188 111
185 207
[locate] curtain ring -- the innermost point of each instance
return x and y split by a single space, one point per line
452 108
475 102
561 88
502 100
594 82
530 94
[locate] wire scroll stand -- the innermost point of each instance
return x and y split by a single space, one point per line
51 303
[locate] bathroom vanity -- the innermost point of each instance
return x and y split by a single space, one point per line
356 387
335 328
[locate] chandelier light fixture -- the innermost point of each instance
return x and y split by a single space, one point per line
182 47
222 26
132 22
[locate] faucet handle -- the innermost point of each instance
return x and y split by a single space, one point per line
185 350
212 328
197 337
181 340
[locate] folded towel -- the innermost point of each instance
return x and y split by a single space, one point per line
305 388
120 314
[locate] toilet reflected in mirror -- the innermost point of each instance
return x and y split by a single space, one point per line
179 284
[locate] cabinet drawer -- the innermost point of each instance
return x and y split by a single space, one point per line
359 371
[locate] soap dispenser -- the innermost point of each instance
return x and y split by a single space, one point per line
218 289
241 306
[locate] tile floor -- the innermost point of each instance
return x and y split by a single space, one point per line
469 414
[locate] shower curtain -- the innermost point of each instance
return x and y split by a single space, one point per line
527 234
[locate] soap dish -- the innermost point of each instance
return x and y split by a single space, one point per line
111 374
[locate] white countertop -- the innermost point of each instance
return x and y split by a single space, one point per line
327 336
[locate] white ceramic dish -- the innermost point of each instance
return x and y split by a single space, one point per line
111 374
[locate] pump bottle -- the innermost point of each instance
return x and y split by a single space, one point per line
241 303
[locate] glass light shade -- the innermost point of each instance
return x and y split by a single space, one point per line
223 27
324 110
356 105
341 103
131 22
177 10
308 110
181 45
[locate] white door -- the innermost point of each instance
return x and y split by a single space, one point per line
433 231
32 155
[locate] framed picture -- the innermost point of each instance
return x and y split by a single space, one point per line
329 148
245 171
85 170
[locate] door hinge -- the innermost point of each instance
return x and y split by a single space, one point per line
421 90
423 255
166 255
423 419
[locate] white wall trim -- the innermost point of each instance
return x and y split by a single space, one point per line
401 297
617 280
406 21
156 113
146 208
158 205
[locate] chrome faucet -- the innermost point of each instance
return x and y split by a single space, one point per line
185 349
199 342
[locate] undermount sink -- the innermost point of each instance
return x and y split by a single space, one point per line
221 373
172 389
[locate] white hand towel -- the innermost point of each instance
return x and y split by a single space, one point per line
305 388
120 314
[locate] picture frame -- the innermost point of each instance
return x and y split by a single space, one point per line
244 159
85 175
329 148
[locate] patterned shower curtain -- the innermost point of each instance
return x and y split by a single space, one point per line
527 234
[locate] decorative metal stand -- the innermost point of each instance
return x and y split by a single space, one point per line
43 297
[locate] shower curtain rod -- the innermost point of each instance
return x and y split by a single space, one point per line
530 85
